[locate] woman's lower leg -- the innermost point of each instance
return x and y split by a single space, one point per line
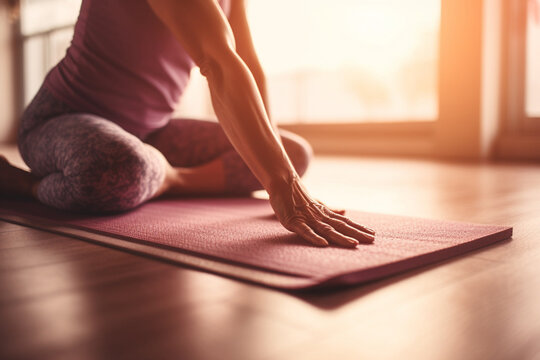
201 152
205 179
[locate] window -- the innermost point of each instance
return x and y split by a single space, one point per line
348 60
46 31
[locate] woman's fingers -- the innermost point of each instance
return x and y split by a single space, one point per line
346 225
315 222
312 220
329 233
353 232
306 233
322 226
319 234
350 222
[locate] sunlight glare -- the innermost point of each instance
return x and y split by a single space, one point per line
319 35
349 59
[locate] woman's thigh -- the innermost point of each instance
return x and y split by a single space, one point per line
190 142
86 162
73 142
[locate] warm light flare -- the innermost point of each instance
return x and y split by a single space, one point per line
320 35
350 59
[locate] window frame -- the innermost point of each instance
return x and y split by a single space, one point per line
515 39
441 137
481 95
520 135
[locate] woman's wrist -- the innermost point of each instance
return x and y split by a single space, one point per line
282 184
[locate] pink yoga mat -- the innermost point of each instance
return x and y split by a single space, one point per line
241 238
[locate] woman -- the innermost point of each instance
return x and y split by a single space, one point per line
98 135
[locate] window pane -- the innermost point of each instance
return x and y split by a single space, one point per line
46 29
533 59
40 16
348 60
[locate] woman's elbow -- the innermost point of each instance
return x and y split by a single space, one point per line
217 64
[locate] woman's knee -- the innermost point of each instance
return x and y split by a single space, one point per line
105 168
298 149
119 178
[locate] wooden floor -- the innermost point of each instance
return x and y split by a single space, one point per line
62 298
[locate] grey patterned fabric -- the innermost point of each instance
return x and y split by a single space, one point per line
88 163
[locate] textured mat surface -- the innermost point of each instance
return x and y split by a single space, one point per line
242 239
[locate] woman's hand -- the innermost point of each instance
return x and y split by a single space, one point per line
313 221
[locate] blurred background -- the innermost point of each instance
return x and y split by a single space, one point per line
349 71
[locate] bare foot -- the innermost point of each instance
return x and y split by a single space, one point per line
206 179
15 182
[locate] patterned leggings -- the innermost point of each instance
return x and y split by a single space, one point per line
87 163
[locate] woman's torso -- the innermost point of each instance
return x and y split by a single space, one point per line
123 64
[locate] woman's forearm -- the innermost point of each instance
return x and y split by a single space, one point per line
260 80
241 111
245 48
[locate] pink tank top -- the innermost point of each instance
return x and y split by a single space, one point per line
124 65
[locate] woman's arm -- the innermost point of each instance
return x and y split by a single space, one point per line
203 30
246 50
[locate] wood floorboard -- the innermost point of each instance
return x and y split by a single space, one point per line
63 298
